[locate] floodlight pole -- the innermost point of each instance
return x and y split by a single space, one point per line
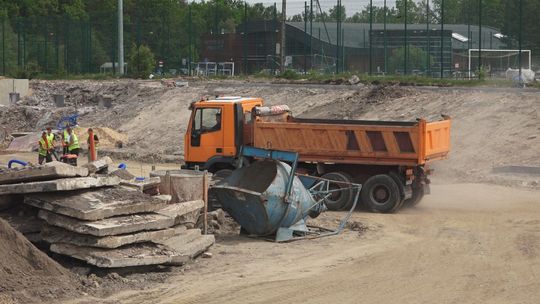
283 19
120 38
479 37
520 37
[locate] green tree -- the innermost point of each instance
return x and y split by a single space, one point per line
141 61
417 59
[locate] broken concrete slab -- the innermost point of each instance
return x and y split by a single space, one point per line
53 170
180 240
96 204
64 184
99 165
109 226
54 235
26 143
142 185
126 256
179 210
196 247
122 174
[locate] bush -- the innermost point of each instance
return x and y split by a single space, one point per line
29 72
141 61
289 74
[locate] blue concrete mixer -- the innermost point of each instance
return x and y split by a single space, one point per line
267 198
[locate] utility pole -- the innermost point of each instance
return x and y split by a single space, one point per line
283 19
120 38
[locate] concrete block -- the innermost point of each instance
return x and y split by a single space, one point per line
126 256
53 170
95 204
99 165
54 235
180 240
12 85
183 185
109 226
64 184
180 210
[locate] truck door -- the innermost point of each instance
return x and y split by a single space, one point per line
206 138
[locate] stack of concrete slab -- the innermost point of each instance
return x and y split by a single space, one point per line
120 226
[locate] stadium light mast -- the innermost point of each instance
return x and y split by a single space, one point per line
283 19
120 38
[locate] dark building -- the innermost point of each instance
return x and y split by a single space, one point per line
255 47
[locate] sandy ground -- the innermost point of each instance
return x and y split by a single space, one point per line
466 243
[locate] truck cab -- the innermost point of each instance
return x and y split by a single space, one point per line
216 131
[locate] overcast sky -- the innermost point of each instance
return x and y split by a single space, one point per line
351 6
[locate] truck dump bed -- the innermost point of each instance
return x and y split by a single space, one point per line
355 141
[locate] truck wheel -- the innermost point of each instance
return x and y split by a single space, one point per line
381 194
417 195
339 200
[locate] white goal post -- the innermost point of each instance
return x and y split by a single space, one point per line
508 53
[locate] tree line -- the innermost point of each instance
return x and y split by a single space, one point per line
66 29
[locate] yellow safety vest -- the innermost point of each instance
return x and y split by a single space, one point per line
43 146
75 144
66 138
50 137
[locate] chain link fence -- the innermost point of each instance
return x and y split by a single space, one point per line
378 37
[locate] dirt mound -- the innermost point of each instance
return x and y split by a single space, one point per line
27 274
108 138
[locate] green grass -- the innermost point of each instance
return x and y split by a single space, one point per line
96 76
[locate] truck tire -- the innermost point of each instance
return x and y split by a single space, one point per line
380 193
343 199
417 195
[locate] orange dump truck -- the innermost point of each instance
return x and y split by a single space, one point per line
389 158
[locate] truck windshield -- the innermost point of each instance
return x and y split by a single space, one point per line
207 120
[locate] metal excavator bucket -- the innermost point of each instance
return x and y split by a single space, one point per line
267 198
255 196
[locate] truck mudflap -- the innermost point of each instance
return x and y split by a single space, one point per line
427 188
407 192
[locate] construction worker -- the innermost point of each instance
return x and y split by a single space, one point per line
73 146
96 143
52 143
44 149
65 141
